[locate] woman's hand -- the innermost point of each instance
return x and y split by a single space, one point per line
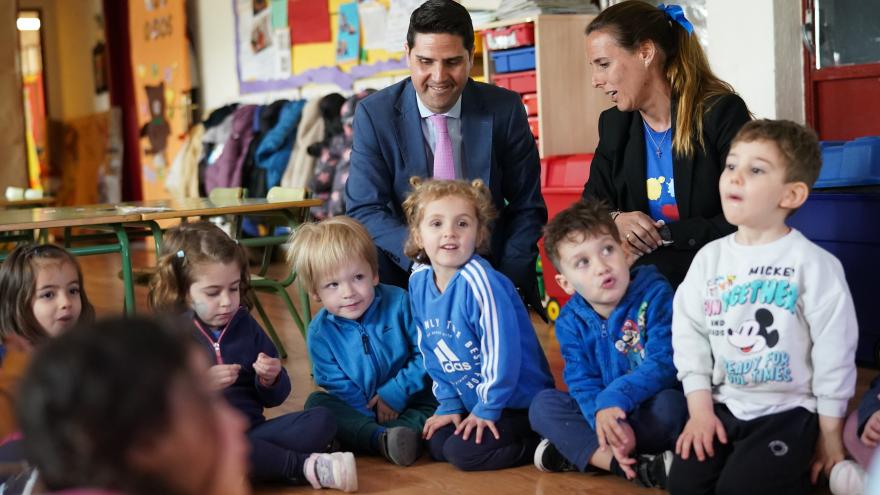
639 232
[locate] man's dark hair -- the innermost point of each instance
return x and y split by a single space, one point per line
441 16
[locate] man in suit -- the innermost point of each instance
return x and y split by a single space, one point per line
439 123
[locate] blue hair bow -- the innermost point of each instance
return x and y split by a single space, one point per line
675 13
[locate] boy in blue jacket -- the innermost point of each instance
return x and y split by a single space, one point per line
623 406
363 344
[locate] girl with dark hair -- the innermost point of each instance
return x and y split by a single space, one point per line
42 296
662 147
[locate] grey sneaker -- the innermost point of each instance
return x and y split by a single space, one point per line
336 470
400 445
548 459
652 471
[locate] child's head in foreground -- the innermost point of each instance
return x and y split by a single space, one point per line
336 262
583 244
42 293
770 169
203 269
124 405
448 221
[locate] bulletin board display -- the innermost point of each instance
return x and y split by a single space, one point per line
162 82
285 44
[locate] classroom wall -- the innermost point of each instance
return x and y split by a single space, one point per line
755 46
13 168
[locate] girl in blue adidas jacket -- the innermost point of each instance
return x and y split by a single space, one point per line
475 335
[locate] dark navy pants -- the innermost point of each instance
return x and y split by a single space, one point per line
657 422
280 446
516 446
770 455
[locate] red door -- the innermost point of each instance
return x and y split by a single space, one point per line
842 67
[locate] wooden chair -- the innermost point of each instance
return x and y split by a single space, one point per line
261 283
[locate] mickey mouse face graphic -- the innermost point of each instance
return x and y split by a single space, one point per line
752 336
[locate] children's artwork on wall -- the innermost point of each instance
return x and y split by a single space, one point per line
159 57
309 21
348 37
157 129
338 59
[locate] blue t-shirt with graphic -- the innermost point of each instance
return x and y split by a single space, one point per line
661 184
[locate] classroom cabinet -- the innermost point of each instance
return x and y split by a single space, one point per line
558 78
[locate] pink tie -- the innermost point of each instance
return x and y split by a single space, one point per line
444 167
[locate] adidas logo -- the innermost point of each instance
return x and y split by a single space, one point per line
448 360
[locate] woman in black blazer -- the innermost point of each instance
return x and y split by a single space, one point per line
662 147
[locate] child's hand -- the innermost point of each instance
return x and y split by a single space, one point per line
829 447
436 422
267 369
223 375
384 412
871 433
625 462
608 427
480 424
700 432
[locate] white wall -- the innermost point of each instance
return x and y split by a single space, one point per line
755 46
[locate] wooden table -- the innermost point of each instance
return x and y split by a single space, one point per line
22 226
26 203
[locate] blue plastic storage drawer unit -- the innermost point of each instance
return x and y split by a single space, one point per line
850 163
846 224
514 60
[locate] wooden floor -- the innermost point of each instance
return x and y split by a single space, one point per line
374 475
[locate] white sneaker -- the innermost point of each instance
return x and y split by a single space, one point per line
847 478
336 470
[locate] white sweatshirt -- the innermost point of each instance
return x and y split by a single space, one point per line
766 328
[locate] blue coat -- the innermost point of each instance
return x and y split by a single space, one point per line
241 343
626 359
274 150
355 360
498 147
478 341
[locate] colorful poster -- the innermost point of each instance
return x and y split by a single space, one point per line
348 37
279 14
161 73
309 21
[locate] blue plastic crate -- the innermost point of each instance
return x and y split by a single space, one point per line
845 224
515 60
851 163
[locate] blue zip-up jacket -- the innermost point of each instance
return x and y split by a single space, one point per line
355 360
478 341
240 343
626 359
274 149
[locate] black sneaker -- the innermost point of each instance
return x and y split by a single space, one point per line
548 459
400 445
652 471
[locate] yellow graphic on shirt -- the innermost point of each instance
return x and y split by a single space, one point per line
655 187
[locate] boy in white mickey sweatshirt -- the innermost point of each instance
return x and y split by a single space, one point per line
763 332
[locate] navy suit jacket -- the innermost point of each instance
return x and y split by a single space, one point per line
497 147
